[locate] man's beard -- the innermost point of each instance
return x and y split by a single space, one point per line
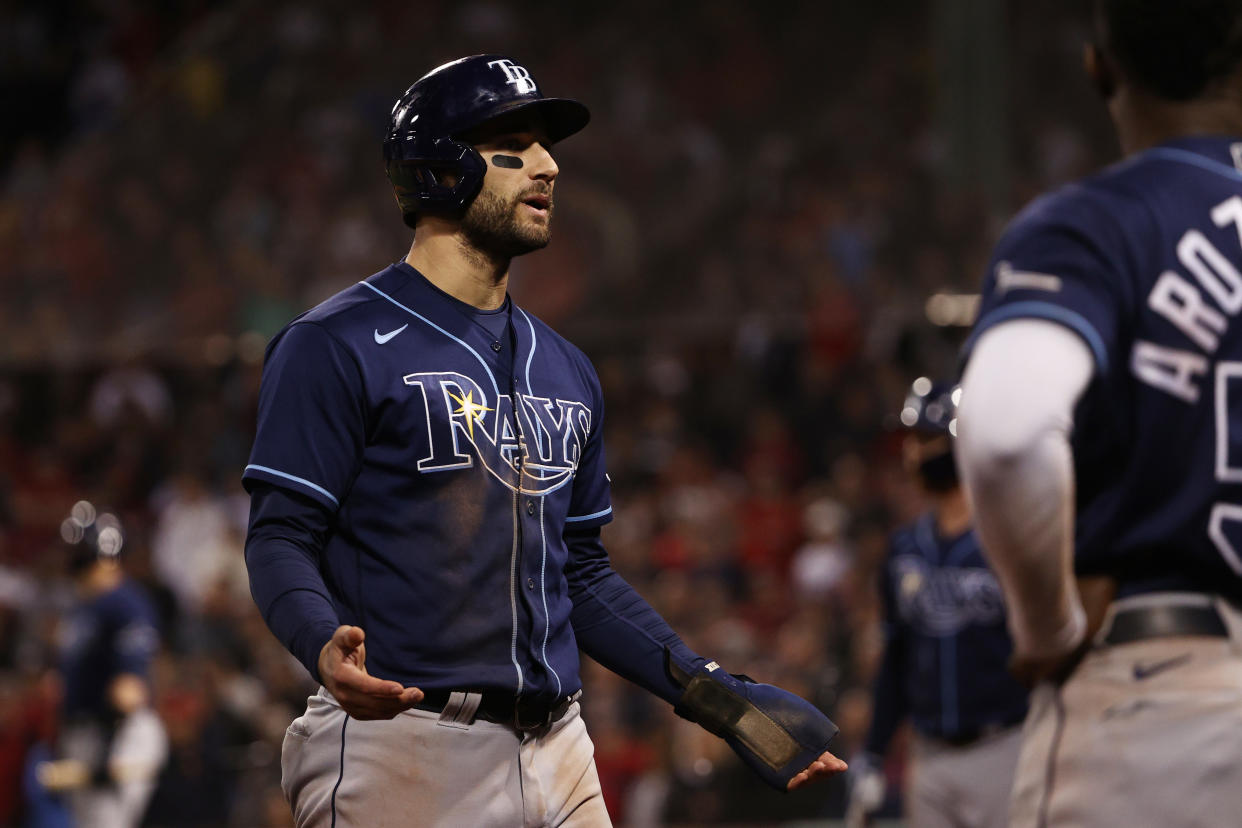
491 226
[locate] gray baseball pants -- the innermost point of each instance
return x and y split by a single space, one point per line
962 787
136 754
1147 733
437 769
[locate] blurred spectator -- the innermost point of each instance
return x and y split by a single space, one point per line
820 565
195 544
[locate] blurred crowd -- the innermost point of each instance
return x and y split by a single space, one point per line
746 238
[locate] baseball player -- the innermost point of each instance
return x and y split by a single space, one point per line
427 489
1100 434
946 650
111 744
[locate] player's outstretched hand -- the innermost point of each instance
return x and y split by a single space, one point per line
826 765
779 736
343 668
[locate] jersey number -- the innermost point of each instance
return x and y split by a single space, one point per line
1226 518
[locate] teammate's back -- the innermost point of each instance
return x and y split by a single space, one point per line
1097 438
1144 262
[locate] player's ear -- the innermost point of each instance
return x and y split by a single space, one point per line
1100 70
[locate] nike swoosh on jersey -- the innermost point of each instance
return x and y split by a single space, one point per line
380 338
1146 671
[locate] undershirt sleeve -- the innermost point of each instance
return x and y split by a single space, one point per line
287 532
1013 450
614 624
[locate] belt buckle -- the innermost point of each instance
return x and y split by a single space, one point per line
553 714
525 727
562 706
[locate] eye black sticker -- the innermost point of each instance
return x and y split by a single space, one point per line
511 162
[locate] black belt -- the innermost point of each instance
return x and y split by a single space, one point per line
504 708
1159 621
964 738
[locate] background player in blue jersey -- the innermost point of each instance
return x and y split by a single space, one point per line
428 485
111 744
946 649
1100 433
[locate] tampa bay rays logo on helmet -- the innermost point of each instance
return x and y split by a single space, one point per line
463 425
516 75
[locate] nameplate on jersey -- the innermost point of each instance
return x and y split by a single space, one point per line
534 453
1199 301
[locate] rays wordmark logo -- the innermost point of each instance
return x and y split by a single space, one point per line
464 425
945 600
514 74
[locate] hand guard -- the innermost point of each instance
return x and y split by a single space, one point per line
775 732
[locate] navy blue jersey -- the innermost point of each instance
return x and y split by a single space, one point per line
452 459
1144 262
112 633
947 648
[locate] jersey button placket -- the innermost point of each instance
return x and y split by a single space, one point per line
530 507
496 346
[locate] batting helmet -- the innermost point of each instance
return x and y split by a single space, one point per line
931 407
91 536
430 167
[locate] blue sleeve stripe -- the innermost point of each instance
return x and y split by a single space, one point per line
1194 159
421 318
1053 313
607 511
301 481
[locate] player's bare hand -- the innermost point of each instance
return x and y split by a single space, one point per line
1055 669
826 765
342 666
1096 592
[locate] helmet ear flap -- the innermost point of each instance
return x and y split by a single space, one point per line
470 170
444 184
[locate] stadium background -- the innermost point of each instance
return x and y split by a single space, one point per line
757 242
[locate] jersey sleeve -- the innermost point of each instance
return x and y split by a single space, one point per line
614 625
311 423
136 639
1059 261
590 503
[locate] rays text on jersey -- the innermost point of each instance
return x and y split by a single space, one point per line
535 454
